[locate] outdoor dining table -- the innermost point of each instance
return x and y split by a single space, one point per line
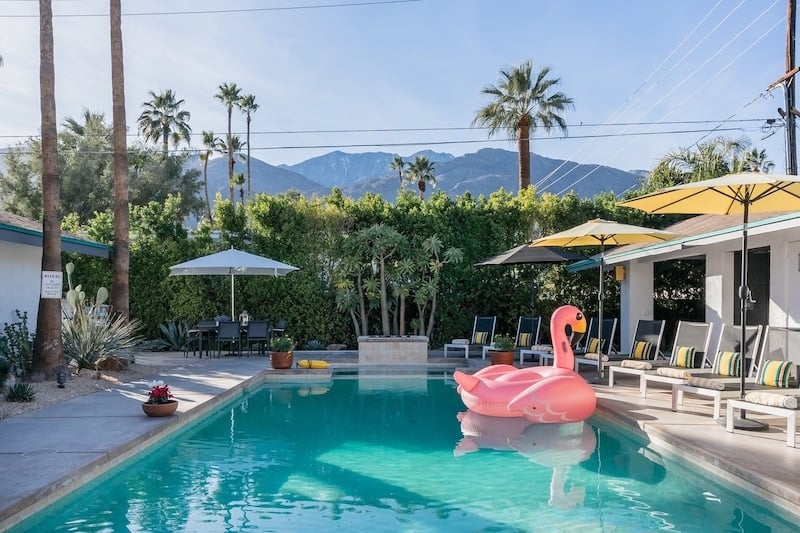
205 332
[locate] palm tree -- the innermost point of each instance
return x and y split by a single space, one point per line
48 350
163 120
247 104
211 144
235 146
523 102
229 95
399 165
120 265
756 161
711 159
421 171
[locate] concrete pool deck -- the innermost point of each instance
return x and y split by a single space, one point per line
47 453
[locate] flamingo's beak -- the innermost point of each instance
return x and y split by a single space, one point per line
579 325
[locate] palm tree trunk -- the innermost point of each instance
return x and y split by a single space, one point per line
230 157
48 350
249 188
524 147
120 266
205 190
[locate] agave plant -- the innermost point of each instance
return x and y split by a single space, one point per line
175 336
88 340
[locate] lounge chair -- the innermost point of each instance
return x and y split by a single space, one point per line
645 346
593 343
527 335
724 380
482 335
776 390
689 354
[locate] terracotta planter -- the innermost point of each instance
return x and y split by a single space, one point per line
502 358
281 360
160 409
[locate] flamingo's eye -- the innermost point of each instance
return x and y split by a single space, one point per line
579 316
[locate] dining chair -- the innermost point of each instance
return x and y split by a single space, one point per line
229 334
258 334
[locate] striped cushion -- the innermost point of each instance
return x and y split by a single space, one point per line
481 337
593 345
684 357
775 373
641 350
524 339
707 383
727 363
673 372
640 365
771 398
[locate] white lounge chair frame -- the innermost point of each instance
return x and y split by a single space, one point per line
472 341
726 343
692 330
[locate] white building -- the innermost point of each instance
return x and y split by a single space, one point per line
21 264
774 270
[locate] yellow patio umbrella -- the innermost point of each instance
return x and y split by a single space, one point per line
745 193
602 233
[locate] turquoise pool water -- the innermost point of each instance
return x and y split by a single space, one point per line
395 455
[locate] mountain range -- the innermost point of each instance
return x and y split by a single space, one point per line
481 172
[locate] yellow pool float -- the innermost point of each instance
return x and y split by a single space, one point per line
312 363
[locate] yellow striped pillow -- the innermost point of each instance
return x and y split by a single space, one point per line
684 357
641 350
593 346
481 337
775 373
727 363
524 339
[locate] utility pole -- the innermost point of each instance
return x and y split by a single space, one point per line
788 85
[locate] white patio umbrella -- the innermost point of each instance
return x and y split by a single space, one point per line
232 263
742 193
602 233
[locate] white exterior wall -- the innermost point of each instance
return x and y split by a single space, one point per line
20 281
636 293
784 305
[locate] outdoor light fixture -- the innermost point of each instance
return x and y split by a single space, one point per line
61 376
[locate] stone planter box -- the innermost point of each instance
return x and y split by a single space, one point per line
408 350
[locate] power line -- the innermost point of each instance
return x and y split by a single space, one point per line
455 128
222 11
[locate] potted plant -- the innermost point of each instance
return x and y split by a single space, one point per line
280 355
160 401
503 353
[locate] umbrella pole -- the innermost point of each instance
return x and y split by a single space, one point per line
233 306
600 315
743 422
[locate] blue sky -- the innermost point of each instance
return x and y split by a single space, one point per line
417 65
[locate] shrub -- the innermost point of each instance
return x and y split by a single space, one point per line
21 392
16 345
315 344
281 344
5 366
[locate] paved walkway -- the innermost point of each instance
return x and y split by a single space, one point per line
49 452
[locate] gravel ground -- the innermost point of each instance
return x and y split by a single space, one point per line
87 382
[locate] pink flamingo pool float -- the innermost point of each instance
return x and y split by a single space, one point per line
543 394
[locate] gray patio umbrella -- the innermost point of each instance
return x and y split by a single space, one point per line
524 254
232 263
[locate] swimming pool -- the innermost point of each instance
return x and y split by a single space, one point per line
369 453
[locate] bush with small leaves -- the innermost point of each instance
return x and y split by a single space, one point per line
21 392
